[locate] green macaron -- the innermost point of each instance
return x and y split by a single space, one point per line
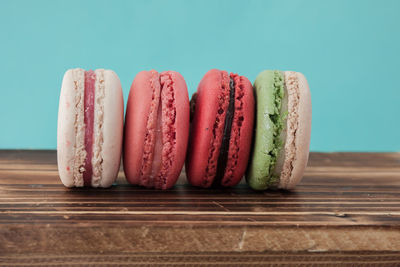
282 131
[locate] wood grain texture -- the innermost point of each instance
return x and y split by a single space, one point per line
346 209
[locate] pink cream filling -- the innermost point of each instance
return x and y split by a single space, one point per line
168 129
159 152
90 80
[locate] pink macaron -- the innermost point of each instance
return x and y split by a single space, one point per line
90 128
156 129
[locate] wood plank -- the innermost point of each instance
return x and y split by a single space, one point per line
220 259
346 209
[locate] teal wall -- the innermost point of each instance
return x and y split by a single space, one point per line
348 50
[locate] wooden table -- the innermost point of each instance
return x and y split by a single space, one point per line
346 209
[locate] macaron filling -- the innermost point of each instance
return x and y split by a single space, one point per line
168 129
224 149
160 138
217 131
278 120
293 91
89 96
235 134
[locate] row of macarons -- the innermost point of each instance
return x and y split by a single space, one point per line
230 129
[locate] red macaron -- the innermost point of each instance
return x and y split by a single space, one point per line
221 130
156 129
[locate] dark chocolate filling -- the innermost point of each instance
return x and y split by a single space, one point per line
223 152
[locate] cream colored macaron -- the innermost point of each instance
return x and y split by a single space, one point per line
90 128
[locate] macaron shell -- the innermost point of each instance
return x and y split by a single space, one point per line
258 172
137 114
112 128
280 161
182 127
71 132
201 131
65 130
303 134
241 133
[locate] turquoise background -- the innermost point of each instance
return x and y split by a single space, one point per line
348 50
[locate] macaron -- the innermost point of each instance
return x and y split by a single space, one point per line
221 130
282 132
90 128
156 129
